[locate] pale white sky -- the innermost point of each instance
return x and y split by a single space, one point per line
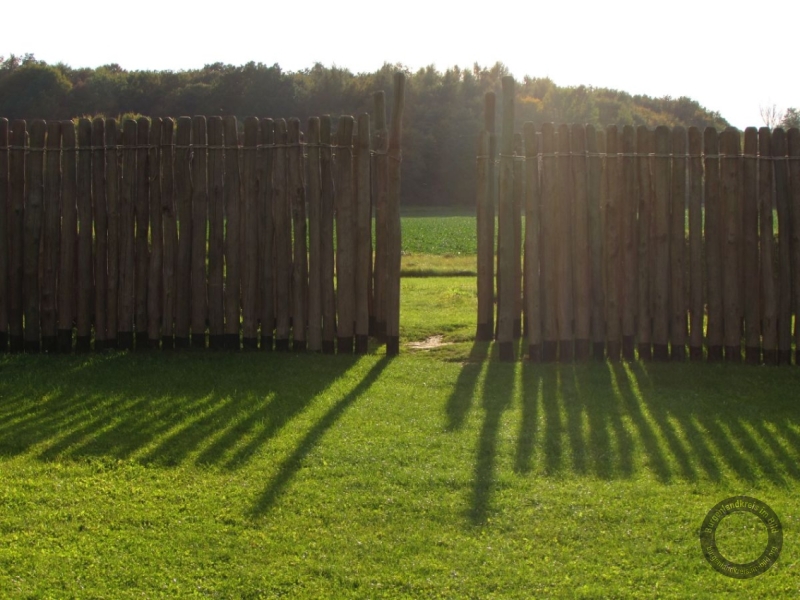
732 56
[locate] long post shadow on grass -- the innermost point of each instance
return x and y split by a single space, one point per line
460 401
498 393
289 467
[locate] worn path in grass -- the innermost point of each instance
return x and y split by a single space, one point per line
438 474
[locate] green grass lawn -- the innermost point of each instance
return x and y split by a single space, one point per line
437 474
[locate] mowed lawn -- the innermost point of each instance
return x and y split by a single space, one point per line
442 473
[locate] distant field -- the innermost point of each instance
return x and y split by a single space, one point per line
426 231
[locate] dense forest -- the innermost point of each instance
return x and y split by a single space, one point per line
444 110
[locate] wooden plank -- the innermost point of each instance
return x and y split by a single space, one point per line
781 174
750 264
126 236
85 262
677 246
793 139
216 233
297 204
548 229
233 234
517 207
170 232
645 145
100 214
50 238
183 196
19 145
593 198
485 244
564 247
141 210
250 235
199 231
696 265
326 241
769 296
613 244
314 252
113 175
4 247
155 267
393 234
533 286
266 269
581 245
381 173
506 288
364 235
283 242
731 243
661 225
713 238
69 228
32 235
629 247
345 248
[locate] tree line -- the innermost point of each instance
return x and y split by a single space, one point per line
444 109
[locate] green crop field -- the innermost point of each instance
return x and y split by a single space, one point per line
442 473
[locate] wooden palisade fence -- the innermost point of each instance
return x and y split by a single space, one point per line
635 239
157 233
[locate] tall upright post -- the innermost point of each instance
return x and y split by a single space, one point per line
505 300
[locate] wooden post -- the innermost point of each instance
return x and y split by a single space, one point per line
141 209
613 242
233 234
489 125
548 230
769 304
564 245
183 193
19 145
794 209
314 215
517 204
394 242
781 174
381 182
713 238
283 242
4 247
485 243
533 287
155 275
69 220
697 304
169 227
628 226
326 241
749 196
677 246
364 236
505 297
266 268
645 144
199 224
297 204
582 272
112 141
345 248
85 270
216 236
661 263
50 238
100 209
593 199
249 235
32 234
731 244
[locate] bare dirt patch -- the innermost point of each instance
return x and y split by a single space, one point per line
434 341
